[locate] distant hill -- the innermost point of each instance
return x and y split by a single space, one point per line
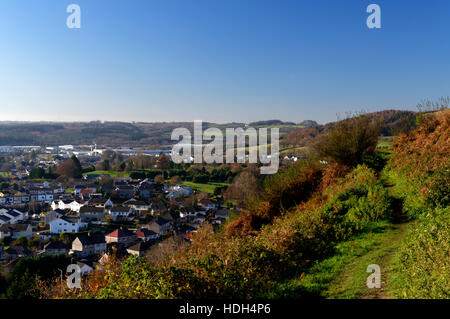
392 123
309 123
270 123
158 134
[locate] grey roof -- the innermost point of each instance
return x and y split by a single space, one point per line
140 246
92 239
91 209
17 250
120 209
55 245
161 221
13 227
70 219
4 218
12 213
96 201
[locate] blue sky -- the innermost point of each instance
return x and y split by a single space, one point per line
219 60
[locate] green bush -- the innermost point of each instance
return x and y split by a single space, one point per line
350 140
423 262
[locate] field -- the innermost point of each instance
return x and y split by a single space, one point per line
110 173
208 188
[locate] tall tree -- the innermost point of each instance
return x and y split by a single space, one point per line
70 168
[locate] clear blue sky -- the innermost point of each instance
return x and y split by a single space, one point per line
219 60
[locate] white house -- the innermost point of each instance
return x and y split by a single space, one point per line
121 211
66 224
137 205
188 212
177 191
73 205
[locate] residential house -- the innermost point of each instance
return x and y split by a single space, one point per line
17 251
138 206
66 224
5 220
138 249
16 230
122 236
221 215
87 189
86 245
120 211
145 234
160 225
107 188
87 266
85 269
37 184
157 206
207 204
86 194
177 191
14 215
91 213
186 212
145 190
101 202
55 248
54 214
71 204
126 191
41 195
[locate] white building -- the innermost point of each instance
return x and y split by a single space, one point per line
66 224
120 211
73 205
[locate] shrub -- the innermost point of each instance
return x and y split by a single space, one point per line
350 140
420 164
281 192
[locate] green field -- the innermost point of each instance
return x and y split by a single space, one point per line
293 150
208 188
110 173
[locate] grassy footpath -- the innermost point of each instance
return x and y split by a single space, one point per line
344 275
351 282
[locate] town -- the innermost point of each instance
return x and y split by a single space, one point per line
68 200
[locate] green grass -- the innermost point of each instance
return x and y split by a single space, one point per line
5 174
385 141
293 150
344 275
110 173
208 188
